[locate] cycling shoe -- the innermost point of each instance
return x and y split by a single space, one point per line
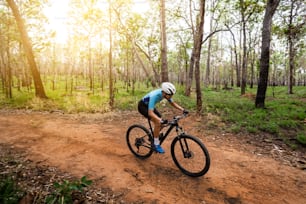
159 149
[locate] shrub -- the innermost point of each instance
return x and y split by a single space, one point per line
9 192
63 191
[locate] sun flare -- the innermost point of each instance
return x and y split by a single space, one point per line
57 14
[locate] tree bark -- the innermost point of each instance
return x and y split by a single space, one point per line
39 88
291 50
110 60
236 59
265 53
196 56
189 73
207 74
244 52
164 63
189 76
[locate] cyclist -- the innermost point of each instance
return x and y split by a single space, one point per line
146 107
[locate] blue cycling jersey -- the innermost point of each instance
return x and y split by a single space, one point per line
152 98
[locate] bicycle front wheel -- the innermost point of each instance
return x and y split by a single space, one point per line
190 155
139 141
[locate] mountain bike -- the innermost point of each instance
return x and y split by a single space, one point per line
188 152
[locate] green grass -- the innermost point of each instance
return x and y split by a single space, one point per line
284 115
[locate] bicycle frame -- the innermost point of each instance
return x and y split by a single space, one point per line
188 152
171 124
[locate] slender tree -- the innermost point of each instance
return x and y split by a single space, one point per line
200 32
244 49
265 53
196 56
130 31
248 11
39 88
189 75
209 47
294 31
110 60
164 63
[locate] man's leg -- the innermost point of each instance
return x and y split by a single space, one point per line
143 109
157 127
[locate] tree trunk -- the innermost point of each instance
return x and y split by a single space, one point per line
39 88
8 74
244 51
265 53
2 71
110 61
236 60
152 81
189 73
207 74
252 69
291 65
164 63
197 54
291 50
90 68
189 76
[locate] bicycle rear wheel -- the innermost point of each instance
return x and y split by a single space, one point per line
139 141
190 155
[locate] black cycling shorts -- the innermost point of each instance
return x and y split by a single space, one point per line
143 109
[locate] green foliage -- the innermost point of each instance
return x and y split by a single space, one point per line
63 191
9 192
236 128
126 99
301 138
19 100
187 102
284 113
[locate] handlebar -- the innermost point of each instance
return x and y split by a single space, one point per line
175 119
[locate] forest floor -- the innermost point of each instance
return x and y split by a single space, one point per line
44 147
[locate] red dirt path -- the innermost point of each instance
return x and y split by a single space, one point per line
94 145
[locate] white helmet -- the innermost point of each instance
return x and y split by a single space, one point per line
168 88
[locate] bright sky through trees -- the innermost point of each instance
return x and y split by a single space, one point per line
57 13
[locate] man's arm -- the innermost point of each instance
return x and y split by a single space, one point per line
175 105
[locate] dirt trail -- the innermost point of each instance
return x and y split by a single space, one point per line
94 145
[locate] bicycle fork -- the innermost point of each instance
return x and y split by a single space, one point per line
185 148
183 143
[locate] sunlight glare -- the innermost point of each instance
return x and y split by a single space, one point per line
140 6
57 15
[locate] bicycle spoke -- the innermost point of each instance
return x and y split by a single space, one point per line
138 140
189 156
